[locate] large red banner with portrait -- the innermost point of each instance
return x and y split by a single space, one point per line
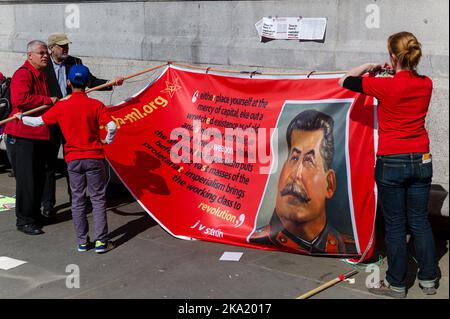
270 162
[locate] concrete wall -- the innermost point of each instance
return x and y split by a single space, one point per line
124 37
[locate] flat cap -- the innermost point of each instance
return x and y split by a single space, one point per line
58 38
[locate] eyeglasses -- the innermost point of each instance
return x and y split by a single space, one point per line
40 52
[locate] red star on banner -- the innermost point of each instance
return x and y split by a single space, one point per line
171 88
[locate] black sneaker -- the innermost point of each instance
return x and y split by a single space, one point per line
385 290
84 247
103 246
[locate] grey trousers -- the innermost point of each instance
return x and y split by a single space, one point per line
90 174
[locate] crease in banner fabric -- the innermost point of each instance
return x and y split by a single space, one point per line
270 162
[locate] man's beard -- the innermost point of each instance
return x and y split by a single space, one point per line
295 190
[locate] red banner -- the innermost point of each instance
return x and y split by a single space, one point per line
271 162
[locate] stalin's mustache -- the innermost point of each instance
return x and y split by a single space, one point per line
295 190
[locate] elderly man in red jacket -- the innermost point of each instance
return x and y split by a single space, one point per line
28 145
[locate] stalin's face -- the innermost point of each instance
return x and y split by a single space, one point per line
304 185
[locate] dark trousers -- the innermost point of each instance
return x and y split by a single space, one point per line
8 155
51 161
88 174
404 183
27 160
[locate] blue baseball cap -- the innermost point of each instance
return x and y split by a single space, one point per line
79 75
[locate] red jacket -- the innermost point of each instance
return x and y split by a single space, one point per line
28 91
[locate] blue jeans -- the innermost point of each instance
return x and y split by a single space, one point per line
404 183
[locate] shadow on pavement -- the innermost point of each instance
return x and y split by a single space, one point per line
117 196
131 229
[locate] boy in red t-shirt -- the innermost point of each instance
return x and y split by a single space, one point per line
79 117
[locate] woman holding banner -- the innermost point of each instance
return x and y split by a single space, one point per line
403 169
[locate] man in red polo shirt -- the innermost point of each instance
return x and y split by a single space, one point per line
79 118
27 145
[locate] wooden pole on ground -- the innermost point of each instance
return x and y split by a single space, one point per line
328 284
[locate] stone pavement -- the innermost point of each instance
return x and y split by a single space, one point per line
150 263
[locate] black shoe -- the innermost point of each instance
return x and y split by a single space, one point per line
30 229
48 213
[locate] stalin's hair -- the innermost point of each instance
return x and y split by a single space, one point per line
312 120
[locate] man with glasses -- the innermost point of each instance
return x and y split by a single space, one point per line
28 145
57 71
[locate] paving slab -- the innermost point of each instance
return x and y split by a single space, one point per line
149 263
